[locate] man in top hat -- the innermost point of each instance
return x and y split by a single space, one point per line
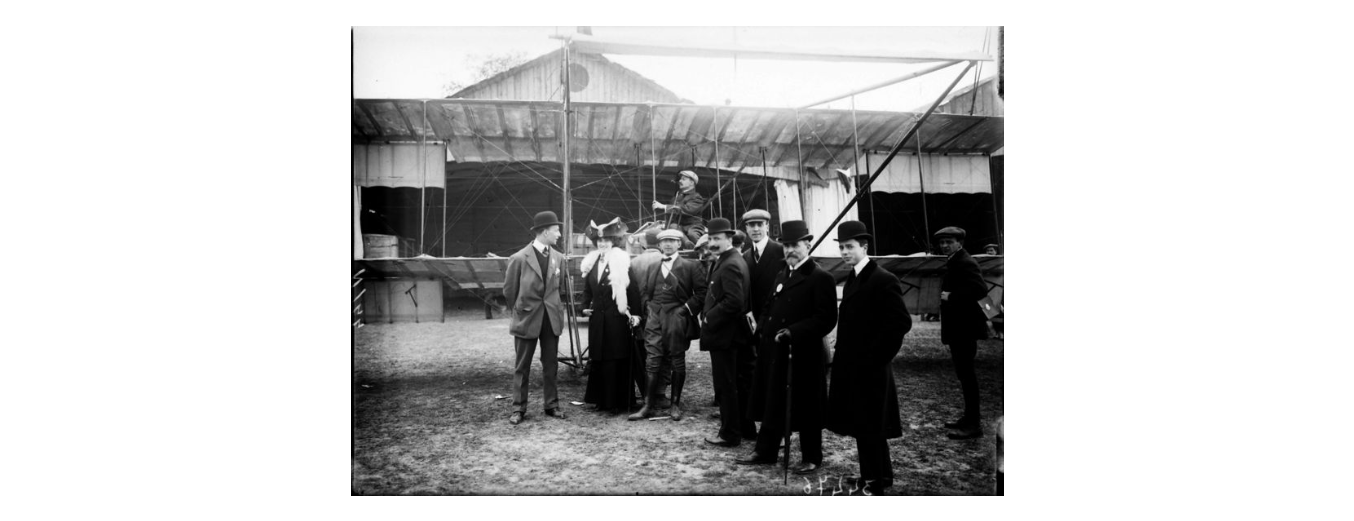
672 295
724 326
962 324
533 291
872 320
686 207
801 311
640 268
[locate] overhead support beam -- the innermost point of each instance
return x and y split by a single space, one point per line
600 46
883 84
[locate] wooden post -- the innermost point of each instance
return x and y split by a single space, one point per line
925 220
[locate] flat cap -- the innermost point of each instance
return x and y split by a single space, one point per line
675 235
950 231
688 173
756 215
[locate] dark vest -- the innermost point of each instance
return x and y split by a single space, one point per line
665 290
544 260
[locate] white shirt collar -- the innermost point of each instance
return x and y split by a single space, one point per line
861 265
797 266
540 246
761 245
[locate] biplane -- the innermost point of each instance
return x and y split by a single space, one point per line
618 150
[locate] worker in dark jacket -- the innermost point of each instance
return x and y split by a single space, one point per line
863 400
687 206
765 259
724 326
801 311
962 324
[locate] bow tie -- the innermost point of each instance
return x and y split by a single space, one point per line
668 259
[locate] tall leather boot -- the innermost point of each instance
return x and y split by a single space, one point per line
677 380
650 397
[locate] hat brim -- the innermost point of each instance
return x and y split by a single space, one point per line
539 226
857 237
784 240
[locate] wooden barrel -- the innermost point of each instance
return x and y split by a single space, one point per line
378 246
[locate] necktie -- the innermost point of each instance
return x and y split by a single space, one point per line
756 255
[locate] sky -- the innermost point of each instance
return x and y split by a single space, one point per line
417 62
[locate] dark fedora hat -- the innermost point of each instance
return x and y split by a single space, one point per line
719 225
851 230
794 231
950 231
544 219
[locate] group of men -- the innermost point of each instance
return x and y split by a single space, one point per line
763 314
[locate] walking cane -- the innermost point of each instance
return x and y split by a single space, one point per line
789 377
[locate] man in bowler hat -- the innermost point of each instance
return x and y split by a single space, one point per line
962 324
801 311
725 327
535 294
863 400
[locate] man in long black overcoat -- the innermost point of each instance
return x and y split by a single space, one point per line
801 311
724 327
863 400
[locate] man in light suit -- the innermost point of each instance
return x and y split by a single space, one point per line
872 320
533 290
962 325
725 327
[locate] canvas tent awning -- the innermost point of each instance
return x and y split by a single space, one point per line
730 138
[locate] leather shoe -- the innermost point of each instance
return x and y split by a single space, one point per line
806 468
960 423
966 434
556 413
722 442
755 460
516 418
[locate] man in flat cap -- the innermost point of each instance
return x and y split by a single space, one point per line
640 269
962 324
685 211
533 290
725 327
801 311
673 296
871 322
765 259
991 249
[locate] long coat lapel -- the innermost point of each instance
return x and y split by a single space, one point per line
798 276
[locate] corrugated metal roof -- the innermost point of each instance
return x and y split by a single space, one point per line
731 138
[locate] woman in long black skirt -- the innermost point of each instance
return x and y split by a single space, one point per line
607 294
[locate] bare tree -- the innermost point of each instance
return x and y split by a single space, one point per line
484 66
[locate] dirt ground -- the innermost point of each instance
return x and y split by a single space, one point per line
426 421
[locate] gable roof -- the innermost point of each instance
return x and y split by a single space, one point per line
556 56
